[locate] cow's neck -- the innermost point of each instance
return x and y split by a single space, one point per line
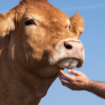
20 85
35 86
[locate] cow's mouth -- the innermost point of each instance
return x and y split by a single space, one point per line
69 63
68 53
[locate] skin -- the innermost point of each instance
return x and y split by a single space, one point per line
81 82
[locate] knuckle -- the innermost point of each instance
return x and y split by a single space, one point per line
74 84
73 80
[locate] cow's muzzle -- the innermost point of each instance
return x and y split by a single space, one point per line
69 53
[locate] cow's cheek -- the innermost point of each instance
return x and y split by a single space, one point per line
47 71
35 39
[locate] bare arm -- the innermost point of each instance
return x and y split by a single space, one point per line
97 88
81 82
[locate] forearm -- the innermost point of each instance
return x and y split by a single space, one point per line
97 88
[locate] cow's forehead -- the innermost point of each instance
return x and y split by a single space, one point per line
46 13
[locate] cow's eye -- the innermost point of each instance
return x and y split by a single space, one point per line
30 22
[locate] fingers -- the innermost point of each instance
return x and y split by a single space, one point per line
70 86
66 76
78 82
77 73
64 81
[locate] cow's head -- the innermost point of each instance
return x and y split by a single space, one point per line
43 39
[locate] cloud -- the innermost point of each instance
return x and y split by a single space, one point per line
86 7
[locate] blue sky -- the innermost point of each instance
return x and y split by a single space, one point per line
93 38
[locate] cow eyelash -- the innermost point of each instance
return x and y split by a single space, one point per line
30 22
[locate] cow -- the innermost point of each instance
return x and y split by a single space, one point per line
36 41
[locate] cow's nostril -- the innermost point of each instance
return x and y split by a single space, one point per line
67 45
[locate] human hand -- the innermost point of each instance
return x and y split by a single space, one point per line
77 82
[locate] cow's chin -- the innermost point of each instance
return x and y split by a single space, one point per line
68 63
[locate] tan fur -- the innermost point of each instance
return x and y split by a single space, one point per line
25 73
77 26
7 22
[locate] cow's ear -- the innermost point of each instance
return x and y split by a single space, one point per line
7 23
76 25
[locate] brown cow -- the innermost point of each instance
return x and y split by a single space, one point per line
37 40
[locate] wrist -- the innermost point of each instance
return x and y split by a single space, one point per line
89 85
